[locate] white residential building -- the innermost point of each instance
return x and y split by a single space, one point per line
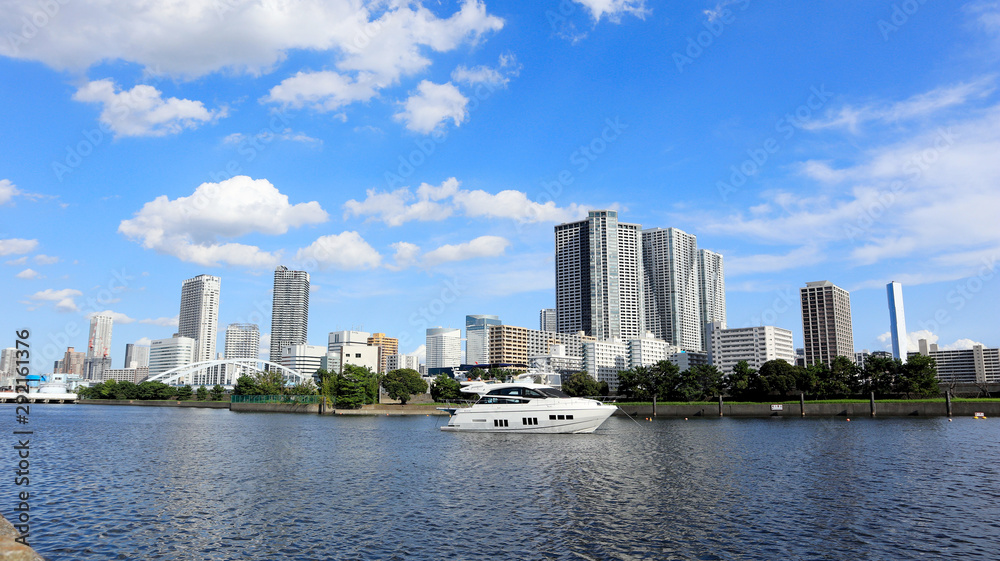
604 359
289 310
444 347
136 356
199 314
548 320
304 359
477 341
756 345
351 347
242 341
599 285
99 342
672 286
397 362
826 322
711 292
648 350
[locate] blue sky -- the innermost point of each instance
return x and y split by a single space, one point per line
415 157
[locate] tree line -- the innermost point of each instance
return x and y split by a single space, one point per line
149 390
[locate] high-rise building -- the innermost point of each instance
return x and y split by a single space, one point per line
72 362
386 346
136 356
167 354
509 344
673 286
599 277
977 365
99 343
8 363
477 341
826 322
397 362
242 341
711 293
351 347
289 310
199 316
756 345
897 320
444 347
547 320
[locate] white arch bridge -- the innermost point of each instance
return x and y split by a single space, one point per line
211 372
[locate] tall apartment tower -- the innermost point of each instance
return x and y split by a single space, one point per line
387 346
477 341
711 293
199 317
99 343
897 321
826 322
242 341
599 277
136 356
547 320
673 287
289 310
444 347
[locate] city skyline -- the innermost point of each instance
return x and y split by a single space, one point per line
418 180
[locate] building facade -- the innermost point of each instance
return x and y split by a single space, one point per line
136 356
978 365
671 272
351 347
548 320
289 310
199 314
397 362
387 346
304 359
826 322
516 346
167 354
477 341
599 286
99 341
711 292
897 321
604 359
756 345
444 347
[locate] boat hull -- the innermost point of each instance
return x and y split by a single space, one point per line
556 418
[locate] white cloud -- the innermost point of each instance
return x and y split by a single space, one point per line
432 105
506 69
720 9
346 251
191 38
142 111
116 317
189 227
432 203
406 255
43 259
615 9
920 105
17 246
161 321
63 299
7 191
483 246
961 345
143 341
27 274
323 91
421 354
268 136
769 263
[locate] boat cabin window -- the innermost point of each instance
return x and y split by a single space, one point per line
528 392
496 400
552 392
506 391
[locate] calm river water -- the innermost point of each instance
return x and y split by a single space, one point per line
196 484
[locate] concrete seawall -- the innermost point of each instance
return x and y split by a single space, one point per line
157 403
276 407
882 409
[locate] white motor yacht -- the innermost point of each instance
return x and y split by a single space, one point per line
526 407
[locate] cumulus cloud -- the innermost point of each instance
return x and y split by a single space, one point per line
499 76
116 317
63 300
323 91
432 203
432 106
406 255
345 251
483 246
27 274
142 111
17 246
7 191
43 259
161 321
189 228
615 9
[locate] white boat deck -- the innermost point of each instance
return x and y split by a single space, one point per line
11 397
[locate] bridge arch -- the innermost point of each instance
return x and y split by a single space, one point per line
189 373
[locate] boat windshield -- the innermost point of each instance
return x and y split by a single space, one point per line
552 392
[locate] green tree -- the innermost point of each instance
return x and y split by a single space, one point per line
880 375
270 383
184 392
777 376
741 382
477 374
126 390
581 384
402 383
634 384
202 393
217 392
697 383
918 377
840 379
446 388
246 385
